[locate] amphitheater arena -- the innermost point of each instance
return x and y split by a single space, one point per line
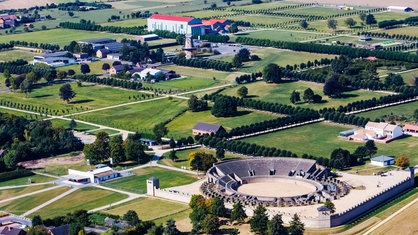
295 185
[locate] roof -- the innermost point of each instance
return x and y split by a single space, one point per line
101 170
54 54
382 159
212 21
6 17
12 231
398 7
377 125
171 18
413 127
322 208
99 41
148 36
61 230
119 67
202 126
150 71
115 54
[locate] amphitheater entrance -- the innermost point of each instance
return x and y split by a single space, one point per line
276 187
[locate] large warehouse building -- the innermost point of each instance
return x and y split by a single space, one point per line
187 25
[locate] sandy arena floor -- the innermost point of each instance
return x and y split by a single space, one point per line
278 188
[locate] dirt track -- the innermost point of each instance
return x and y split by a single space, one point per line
15 4
374 3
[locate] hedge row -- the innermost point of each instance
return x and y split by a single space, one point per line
19 173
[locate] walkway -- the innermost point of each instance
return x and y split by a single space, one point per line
131 196
29 194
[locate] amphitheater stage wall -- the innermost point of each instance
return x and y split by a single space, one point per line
370 204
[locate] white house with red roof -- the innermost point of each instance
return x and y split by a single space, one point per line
177 24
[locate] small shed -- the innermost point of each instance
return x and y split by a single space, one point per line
382 161
347 133
148 37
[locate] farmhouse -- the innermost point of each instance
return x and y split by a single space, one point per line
7 21
382 161
187 25
92 176
378 131
202 128
400 9
411 129
155 74
102 53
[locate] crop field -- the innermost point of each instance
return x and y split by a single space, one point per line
85 198
21 114
137 183
354 39
281 35
260 19
265 5
280 93
21 205
182 126
405 110
9 193
149 208
411 31
87 97
14 54
61 37
321 139
317 10
62 169
183 156
380 16
138 117
27 180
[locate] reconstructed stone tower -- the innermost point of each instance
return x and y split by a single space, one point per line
152 184
189 48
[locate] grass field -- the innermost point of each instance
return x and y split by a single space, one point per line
280 93
87 97
95 67
25 180
149 208
411 31
282 35
409 77
183 157
260 19
64 124
206 14
265 5
86 198
108 131
380 16
322 138
405 110
16 54
62 169
182 126
137 183
61 37
21 205
140 117
20 114
9 193
127 23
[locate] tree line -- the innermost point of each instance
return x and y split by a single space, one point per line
205 64
46 46
6 46
133 85
389 36
80 6
413 20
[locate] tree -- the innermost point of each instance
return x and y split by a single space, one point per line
220 153
224 107
402 161
276 227
11 159
70 72
363 16
370 19
61 75
71 14
50 75
332 88
294 97
272 73
218 207
201 161
296 226
170 228
213 5
350 22
26 86
360 153
172 156
308 95
340 158
330 205
236 61
242 92
196 105
6 73
332 24
156 230
197 201
134 151
131 217
75 228
38 230
304 24
210 224
99 150
259 220
105 66
159 131
233 28
37 220
66 92
72 124
238 213
371 148
116 149
85 68
244 54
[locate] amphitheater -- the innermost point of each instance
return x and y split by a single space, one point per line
295 185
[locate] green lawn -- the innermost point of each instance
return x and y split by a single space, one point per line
21 205
183 157
83 199
61 37
262 6
108 131
140 117
182 126
8 193
127 23
393 15
21 114
282 35
260 19
95 67
280 93
411 31
321 139
25 180
15 54
87 98
149 208
137 183
79 127
405 110
409 77
59 169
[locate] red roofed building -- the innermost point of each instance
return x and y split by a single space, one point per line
7 21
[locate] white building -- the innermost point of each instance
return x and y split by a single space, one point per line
177 24
143 74
92 176
377 131
382 161
400 9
